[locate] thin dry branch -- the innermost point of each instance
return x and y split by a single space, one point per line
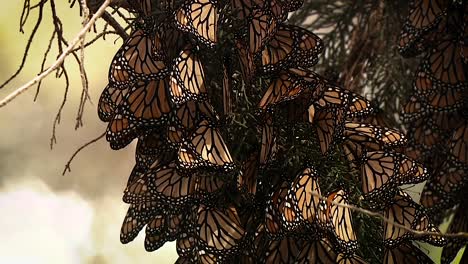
113 23
57 64
67 166
44 60
81 63
24 17
391 222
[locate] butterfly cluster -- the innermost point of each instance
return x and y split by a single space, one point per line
181 85
436 112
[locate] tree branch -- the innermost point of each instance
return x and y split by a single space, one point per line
60 59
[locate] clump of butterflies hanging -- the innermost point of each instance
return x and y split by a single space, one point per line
237 141
436 113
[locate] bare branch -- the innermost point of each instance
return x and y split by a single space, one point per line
113 23
53 138
389 221
67 166
44 60
24 17
61 58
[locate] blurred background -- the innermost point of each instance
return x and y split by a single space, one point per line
47 217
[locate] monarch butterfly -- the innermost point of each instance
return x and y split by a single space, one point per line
161 229
111 97
188 78
406 253
247 181
292 84
413 42
143 106
138 215
227 85
425 85
278 51
340 221
464 43
437 203
189 114
135 60
273 224
219 230
444 64
172 39
152 151
414 109
328 123
137 172
297 109
164 184
425 134
381 171
424 14
445 100
447 121
186 245
200 17
309 46
459 144
320 252
262 26
121 130
148 102
175 136
269 146
353 259
209 186
282 251
188 159
246 60
243 8
353 152
459 224
423 154
290 44
443 187
335 97
290 217
206 147
304 194
289 85
377 118
404 211
205 257
373 137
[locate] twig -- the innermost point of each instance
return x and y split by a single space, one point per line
96 38
44 60
67 166
30 41
61 58
58 116
391 222
81 63
116 25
